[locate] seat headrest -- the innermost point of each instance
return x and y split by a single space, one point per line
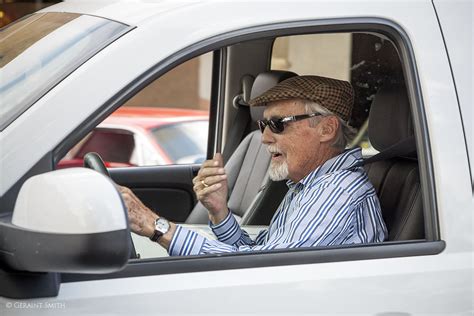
390 117
262 83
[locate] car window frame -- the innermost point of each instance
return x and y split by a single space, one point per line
432 244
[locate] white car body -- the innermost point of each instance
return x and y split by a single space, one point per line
407 285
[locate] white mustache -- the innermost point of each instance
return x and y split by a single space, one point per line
273 149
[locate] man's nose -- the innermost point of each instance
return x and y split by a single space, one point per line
268 136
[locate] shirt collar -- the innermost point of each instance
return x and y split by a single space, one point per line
345 160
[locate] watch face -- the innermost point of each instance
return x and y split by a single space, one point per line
162 225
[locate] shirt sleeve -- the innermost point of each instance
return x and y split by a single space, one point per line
318 219
324 216
228 232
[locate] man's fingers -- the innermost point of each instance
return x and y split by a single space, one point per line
218 161
214 179
208 182
210 163
210 189
122 189
207 172
209 176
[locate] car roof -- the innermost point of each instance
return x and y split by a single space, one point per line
125 11
148 117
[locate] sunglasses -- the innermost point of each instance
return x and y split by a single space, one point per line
277 125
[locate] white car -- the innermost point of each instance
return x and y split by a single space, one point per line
64 235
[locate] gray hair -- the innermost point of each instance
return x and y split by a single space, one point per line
345 134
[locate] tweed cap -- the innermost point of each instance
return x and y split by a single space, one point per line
335 95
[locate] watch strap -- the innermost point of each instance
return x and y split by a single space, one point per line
156 235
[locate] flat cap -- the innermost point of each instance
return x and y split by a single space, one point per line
335 95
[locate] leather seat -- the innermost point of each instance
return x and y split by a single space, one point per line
396 180
247 170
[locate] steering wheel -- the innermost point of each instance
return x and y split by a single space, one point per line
94 161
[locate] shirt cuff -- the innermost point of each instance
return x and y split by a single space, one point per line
185 242
228 231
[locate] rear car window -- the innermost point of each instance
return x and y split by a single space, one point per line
39 51
112 145
183 142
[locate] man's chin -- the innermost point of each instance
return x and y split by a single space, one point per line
278 171
277 178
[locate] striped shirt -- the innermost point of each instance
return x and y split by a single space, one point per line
333 205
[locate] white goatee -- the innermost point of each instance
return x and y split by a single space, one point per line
277 171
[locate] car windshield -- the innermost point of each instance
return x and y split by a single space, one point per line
184 142
39 51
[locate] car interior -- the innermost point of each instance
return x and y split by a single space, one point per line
382 112
396 180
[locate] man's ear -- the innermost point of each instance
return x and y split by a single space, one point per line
328 128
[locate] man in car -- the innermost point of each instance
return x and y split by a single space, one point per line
330 201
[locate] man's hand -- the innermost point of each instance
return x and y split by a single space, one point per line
141 218
210 186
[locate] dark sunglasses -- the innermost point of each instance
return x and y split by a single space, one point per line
277 125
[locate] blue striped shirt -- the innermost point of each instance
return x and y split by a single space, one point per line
333 205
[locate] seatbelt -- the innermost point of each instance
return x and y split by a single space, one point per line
402 148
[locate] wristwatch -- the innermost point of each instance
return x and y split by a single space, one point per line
161 227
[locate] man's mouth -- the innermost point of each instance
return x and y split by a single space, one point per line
275 152
276 155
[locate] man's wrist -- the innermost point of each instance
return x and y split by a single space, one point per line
161 227
150 226
218 217
165 239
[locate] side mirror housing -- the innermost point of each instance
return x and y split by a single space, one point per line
70 220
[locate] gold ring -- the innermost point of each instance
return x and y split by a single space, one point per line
204 184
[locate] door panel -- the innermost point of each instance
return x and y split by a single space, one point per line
167 190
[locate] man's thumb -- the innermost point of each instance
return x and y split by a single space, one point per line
218 158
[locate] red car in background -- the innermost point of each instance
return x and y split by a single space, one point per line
143 136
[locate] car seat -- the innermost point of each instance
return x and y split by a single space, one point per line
251 194
397 179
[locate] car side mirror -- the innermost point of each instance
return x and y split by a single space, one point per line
70 220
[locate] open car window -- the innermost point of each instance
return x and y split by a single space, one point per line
370 62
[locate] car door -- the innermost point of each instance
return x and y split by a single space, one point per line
425 276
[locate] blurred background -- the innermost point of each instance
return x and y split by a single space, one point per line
352 57
366 60
11 10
